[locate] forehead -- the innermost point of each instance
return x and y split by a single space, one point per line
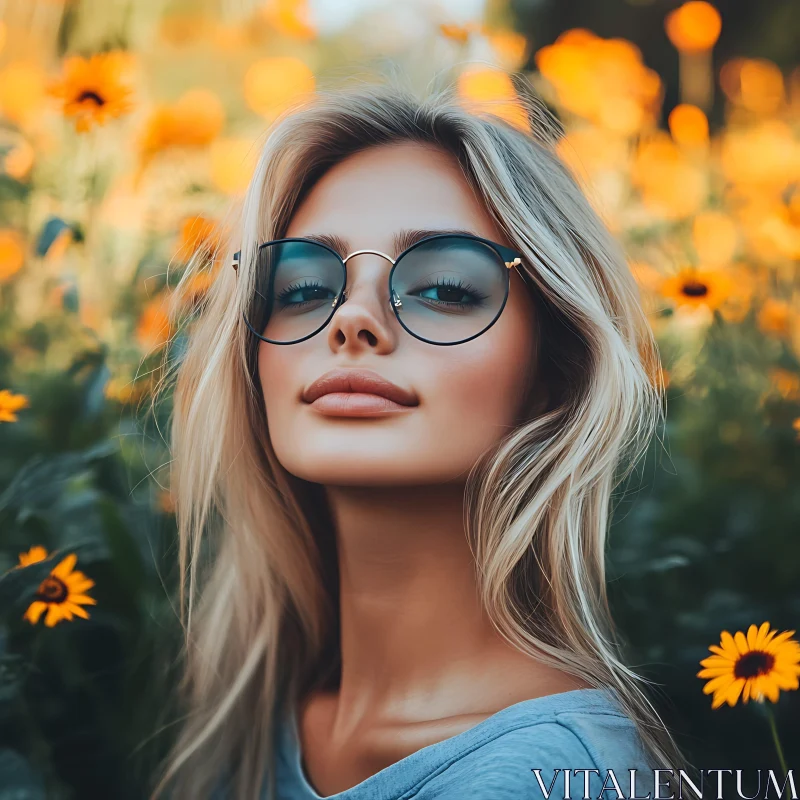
369 196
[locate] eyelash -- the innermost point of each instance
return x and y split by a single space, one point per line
467 288
293 288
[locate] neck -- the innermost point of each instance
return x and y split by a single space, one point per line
412 626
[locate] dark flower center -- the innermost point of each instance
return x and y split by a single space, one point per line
93 96
695 289
753 664
52 590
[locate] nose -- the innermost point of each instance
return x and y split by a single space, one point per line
363 317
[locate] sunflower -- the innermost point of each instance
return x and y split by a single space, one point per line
753 666
61 593
9 405
92 89
697 287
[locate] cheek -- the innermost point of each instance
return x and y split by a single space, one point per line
277 371
479 393
488 380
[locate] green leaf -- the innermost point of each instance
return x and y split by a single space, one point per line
41 480
125 554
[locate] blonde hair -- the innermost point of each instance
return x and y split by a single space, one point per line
260 615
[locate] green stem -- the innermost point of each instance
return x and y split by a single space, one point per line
776 739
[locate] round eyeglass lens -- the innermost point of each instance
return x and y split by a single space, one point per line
296 284
449 289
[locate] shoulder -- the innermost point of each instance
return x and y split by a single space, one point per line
561 755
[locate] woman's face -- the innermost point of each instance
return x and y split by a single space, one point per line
464 397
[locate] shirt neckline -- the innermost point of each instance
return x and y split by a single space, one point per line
419 765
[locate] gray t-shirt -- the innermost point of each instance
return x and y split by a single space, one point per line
582 730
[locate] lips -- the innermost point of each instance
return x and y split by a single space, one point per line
359 381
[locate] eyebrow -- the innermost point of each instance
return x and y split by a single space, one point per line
401 240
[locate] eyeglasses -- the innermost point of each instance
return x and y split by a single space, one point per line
444 289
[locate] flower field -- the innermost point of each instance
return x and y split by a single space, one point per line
126 129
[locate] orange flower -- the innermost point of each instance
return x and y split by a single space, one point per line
753 666
489 90
152 330
12 254
9 405
775 317
61 594
198 285
35 554
695 287
688 125
198 234
273 84
291 18
694 27
602 80
92 89
195 120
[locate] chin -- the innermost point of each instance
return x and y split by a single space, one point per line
338 467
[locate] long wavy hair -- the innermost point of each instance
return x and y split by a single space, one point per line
257 548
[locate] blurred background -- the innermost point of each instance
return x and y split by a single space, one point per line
126 128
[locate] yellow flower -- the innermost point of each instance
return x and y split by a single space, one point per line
198 233
9 405
753 666
22 91
602 80
696 287
688 125
92 89
36 553
273 84
796 426
152 328
291 18
12 253
61 594
490 90
775 317
693 27
785 382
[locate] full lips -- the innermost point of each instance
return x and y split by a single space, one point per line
356 404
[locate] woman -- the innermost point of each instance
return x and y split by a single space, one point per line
399 420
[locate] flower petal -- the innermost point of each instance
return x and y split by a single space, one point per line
734 691
714 672
729 645
717 661
34 611
741 643
718 683
778 640
85 599
762 634
65 566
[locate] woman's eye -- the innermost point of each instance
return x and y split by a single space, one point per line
446 294
305 294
